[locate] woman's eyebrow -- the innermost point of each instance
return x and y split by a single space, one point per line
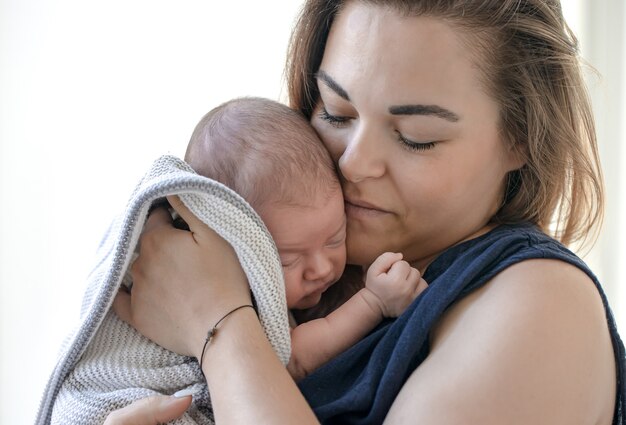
332 84
434 110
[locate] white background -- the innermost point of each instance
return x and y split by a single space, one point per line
92 92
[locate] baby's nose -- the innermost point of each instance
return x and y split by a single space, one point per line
319 268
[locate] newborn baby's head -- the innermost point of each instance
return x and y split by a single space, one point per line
272 157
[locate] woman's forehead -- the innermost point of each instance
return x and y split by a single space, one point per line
392 54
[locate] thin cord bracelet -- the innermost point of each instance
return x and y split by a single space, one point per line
213 331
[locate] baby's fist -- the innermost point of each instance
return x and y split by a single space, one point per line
394 283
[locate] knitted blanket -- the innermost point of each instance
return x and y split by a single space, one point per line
106 364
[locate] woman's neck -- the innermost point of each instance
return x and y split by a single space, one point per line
422 263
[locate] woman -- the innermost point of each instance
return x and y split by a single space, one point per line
459 129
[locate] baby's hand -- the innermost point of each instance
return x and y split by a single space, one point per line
394 283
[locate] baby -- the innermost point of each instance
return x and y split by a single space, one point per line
273 158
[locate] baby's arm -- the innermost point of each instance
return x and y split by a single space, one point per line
390 286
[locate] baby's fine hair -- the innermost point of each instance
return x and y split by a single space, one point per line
264 151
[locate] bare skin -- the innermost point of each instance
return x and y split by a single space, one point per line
531 295
391 285
531 346
150 411
240 362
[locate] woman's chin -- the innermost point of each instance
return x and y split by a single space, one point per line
362 252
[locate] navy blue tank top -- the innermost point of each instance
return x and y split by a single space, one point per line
359 386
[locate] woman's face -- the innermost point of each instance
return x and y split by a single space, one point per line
406 117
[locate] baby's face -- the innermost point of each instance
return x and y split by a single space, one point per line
311 242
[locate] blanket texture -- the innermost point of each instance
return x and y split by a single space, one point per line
106 364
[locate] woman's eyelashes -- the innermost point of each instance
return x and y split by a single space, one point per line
340 121
414 146
334 120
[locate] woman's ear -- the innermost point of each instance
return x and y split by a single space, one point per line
516 156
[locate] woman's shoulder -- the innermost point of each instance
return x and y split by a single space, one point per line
544 293
470 264
533 337
511 325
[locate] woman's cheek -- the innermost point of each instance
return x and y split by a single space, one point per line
332 139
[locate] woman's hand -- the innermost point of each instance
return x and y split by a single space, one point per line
150 411
183 282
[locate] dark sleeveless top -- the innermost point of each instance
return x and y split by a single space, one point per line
359 386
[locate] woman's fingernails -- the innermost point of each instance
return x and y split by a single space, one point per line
184 393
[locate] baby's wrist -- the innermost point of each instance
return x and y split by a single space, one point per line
373 301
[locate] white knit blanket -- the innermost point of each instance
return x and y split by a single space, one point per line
106 364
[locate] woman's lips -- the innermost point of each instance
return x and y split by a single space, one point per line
363 209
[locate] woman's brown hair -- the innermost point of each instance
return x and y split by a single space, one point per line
529 59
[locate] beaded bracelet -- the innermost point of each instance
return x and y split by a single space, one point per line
213 330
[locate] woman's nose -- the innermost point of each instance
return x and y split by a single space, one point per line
363 157
319 267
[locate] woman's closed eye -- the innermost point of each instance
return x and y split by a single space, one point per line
414 146
334 120
339 121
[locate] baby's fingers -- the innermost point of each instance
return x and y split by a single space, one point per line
415 278
383 263
421 286
400 271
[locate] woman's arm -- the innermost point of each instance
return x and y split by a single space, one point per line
183 282
530 347
248 383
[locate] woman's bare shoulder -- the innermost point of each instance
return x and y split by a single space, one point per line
531 346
